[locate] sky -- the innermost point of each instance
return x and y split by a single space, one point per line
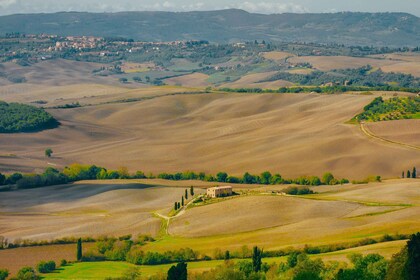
257 6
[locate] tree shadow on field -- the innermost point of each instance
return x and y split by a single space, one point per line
67 193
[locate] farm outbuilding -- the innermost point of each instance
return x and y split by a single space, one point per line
219 191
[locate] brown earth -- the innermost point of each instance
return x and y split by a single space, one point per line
190 80
254 81
327 63
85 209
404 131
31 256
291 134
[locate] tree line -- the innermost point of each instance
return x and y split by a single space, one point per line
392 109
363 76
322 89
79 172
297 266
412 174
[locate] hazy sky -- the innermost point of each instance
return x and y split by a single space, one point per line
262 6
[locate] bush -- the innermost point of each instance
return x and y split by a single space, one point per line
92 256
63 262
46 267
135 255
4 273
27 273
297 190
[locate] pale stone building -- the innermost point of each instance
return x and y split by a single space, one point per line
219 191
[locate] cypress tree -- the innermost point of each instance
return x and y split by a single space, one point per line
408 174
178 272
414 173
227 255
402 175
192 191
257 259
79 249
182 201
186 194
413 260
179 205
175 206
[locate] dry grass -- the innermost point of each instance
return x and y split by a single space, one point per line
276 56
394 191
190 80
404 131
339 214
85 209
57 72
254 213
85 94
253 81
326 63
15 259
291 134
409 65
302 71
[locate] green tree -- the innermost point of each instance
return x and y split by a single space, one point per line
257 254
402 175
186 194
408 174
292 259
4 273
221 176
182 201
175 206
327 178
178 272
413 257
248 178
414 173
192 190
397 268
227 255
2 179
79 254
48 152
266 178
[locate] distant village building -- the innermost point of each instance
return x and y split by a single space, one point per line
219 191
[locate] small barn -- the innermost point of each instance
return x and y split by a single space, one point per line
219 191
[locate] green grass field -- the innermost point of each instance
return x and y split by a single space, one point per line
89 270
101 270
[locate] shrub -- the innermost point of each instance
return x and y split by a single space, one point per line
63 262
119 250
46 267
27 273
4 273
92 256
297 190
135 255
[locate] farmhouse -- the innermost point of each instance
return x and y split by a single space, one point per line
219 191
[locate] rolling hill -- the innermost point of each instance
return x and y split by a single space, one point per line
378 29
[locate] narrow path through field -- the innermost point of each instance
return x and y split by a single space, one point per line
180 213
368 133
